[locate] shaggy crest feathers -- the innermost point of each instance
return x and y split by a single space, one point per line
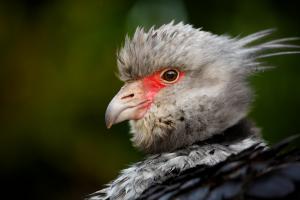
181 45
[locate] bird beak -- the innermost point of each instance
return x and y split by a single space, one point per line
130 103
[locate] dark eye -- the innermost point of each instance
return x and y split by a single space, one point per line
169 75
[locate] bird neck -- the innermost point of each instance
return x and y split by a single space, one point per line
218 148
238 137
244 129
156 168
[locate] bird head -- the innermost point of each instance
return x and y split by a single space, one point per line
183 85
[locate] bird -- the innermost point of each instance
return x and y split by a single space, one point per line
187 96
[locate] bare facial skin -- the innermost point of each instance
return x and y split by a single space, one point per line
135 98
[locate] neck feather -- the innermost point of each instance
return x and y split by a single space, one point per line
158 167
244 129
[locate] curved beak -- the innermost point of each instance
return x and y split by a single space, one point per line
130 103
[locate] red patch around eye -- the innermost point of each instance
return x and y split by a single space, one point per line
153 83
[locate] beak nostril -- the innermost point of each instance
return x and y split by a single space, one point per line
128 96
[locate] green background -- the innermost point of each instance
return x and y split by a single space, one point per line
57 75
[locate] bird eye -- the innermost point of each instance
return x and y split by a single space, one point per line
169 75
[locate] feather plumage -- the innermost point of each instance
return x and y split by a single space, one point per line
255 173
196 132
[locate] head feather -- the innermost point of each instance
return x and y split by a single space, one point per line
181 45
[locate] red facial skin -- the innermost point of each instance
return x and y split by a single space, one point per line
135 98
154 83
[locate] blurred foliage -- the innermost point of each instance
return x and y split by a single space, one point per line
57 74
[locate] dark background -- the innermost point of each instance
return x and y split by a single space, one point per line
57 75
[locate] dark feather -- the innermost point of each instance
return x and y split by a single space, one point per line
256 173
